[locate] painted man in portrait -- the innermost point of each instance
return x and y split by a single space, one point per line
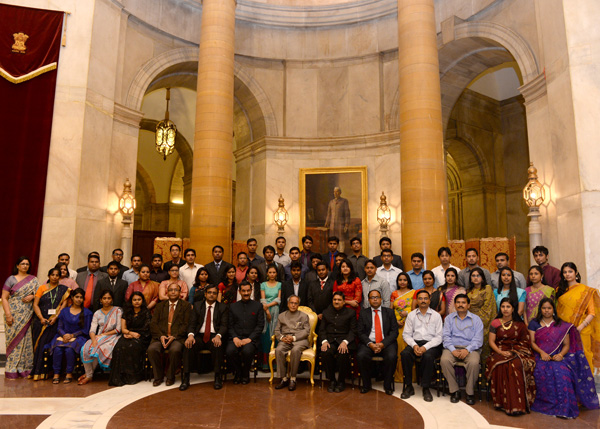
338 217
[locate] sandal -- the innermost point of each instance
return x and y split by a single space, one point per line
56 380
68 380
84 381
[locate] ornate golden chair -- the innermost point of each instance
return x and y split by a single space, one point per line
310 354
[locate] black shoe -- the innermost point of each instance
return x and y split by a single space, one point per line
185 382
389 392
237 379
245 380
427 397
157 382
170 382
407 391
283 383
292 385
218 382
365 389
332 386
470 399
455 397
340 387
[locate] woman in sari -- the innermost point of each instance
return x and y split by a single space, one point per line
270 292
104 334
562 375
174 280
73 331
127 366
228 288
536 292
148 287
483 304
450 289
65 278
200 285
507 288
18 293
511 363
50 299
580 305
401 303
438 300
350 285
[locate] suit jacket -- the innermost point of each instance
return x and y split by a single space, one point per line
215 277
287 290
118 292
219 317
337 326
262 271
246 320
389 325
167 265
319 299
296 324
159 325
396 261
122 269
82 277
327 259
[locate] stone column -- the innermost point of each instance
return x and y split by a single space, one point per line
422 168
213 139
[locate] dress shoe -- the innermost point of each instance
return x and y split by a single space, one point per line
427 397
365 389
283 383
218 382
340 387
470 399
407 391
157 382
169 382
245 380
292 385
237 379
332 386
389 392
455 397
185 382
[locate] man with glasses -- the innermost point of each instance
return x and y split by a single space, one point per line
117 256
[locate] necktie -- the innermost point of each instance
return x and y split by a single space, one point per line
331 262
378 333
171 312
207 325
322 284
112 283
218 266
89 292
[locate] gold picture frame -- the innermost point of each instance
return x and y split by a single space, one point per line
316 188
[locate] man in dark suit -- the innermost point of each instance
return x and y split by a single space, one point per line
377 332
336 336
320 291
114 283
295 286
311 274
332 244
117 256
218 267
269 254
246 322
206 331
88 279
169 331
386 243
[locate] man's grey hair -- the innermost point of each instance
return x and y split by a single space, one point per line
293 296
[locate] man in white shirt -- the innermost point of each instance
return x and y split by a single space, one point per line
187 272
64 258
387 271
133 274
281 257
423 336
444 254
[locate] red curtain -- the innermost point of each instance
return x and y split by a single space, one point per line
28 68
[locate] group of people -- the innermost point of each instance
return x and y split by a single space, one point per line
534 336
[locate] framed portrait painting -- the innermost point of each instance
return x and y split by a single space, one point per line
333 202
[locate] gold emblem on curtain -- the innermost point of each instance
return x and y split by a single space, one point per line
19 45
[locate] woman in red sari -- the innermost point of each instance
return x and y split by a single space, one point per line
349 284
511 363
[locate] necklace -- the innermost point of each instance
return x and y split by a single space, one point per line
507 327
466 327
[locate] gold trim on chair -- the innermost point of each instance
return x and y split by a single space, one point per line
309 355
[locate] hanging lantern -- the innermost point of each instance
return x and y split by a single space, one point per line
166 131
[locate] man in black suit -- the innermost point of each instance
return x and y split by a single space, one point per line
336 336
269 254
206 331
246 322
218 267
386 243
320 291
377 332
311 274
295 286
114 283
117 256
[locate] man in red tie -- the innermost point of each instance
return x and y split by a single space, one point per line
320 291
377 332
206 331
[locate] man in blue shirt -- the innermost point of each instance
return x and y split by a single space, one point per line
416 274
463 338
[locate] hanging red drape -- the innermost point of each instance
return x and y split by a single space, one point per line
29 50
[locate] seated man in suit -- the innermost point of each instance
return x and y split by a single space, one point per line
218 267
463 338
88 279
169 329
377 332
292 331
246 322
320 291
114 283
294 286
206 331
423 334
336 336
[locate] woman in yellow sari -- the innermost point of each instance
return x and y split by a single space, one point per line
580 305
401 300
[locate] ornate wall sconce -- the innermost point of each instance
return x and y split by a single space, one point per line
127 206
384 215
280 217
534 195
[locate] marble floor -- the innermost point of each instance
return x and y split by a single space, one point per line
27 404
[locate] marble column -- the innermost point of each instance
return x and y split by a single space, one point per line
211 198
422 168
